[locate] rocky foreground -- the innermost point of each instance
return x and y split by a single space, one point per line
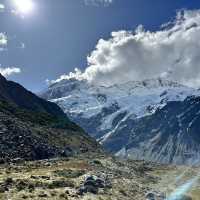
102 178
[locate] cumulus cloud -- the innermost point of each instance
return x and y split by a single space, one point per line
171 52
98 2
9 71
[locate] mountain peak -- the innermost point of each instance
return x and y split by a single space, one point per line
109 113
2 77
68 86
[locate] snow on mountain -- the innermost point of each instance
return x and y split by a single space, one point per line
136 99
104 111
171 135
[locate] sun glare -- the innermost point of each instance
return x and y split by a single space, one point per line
24 6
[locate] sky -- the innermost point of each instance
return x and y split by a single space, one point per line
107 41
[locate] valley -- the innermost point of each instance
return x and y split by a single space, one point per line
59 179
44 155
99 100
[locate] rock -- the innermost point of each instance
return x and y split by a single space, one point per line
6 185
67 152
8 181
84 149
155 196
90 178
81 190
17 160
21 185
3 189
63 196
42 195
34 177
45 177
97 162
150 196
92 189
100 183
92 184
2 161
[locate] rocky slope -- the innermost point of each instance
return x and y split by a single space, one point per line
117 117
32 128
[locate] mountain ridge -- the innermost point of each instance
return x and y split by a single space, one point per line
107 113
16 94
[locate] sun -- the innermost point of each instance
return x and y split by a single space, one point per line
24 6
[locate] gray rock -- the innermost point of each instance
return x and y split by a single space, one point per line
92 184
155 196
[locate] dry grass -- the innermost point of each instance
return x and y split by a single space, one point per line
59 179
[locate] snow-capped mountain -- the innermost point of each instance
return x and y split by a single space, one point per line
111 114
171 135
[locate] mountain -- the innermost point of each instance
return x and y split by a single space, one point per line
170 135
15 94
32 128
129 119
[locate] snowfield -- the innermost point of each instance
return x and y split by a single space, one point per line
105 111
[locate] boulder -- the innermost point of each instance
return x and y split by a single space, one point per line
92 184
155 196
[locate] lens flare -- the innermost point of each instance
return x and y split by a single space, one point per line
183 189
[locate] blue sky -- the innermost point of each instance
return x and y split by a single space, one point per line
60 34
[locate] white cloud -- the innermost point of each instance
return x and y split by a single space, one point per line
172 52
98 2
2 7
77 74
3 41
9 71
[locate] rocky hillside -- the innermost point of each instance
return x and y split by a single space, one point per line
32 128
124 118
